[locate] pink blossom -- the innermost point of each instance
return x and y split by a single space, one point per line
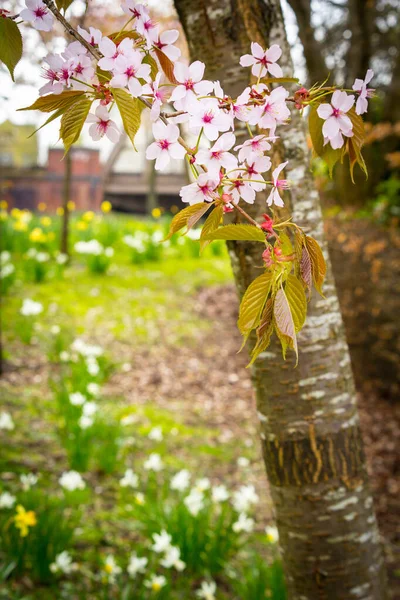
102 125
253 169
254 147
238 188
263 61
190 84
148 28
73 50
337 123
51 73
93 36
81 67
279 184
38 15
218 155
135 9
165 41
128 69
272 112
207 116
361 86
239 108
199 191
166 145
111 52
159 95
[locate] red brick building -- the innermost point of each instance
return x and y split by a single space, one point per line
27 187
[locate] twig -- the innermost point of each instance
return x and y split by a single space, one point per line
246 216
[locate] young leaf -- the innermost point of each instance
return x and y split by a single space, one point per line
253 302
284 324
355 143
63 4
55 101
264 331
130 109
249 233
318 264
167 65
296 297
305 268
181 219
72 122
285 244
326 152
10 44
212 223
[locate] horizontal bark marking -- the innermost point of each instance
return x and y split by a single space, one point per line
313 459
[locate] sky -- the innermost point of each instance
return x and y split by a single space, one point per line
17 95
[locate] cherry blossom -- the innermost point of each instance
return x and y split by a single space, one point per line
279 184
37 13
337 123
199 191
190 84
102 125
253 169
360 86
148 28
263 61
81 67
159 95
209 118
166 145
93 36
218 155
273 112
164 43
135 9
54 85
128 70
111 52
238 188
73 50
254 147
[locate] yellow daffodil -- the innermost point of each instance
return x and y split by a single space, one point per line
81 226
106 206
15 213
3 204
71 205
3 215
60 211
37 235
45 221
20 226
24 519
156 213
88 216
42 206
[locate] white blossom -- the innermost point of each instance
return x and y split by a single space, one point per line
6 421
7 500
71 481
180 480
154 463
130 479
162 541
136 565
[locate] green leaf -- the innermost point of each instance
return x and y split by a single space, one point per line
72 122
284 324
355 143
188 216
55 101
52 117
131 111
149 60
296 297
253 302
10 44
63 4
212 222
249 233
326 152
285 244
264 331
318 264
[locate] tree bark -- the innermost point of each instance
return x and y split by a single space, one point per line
64 247
310 432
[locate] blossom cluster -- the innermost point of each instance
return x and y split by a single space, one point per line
222 168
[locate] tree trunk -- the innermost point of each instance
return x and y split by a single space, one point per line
64 249
310 431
